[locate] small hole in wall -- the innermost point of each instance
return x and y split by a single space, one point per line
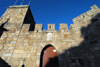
50 26
83 16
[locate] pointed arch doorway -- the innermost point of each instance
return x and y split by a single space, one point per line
49 57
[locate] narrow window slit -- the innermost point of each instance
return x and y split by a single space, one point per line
50 26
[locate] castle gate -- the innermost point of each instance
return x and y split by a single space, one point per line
50 57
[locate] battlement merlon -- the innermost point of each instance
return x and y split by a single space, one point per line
63 27
87 15
51 27
38 27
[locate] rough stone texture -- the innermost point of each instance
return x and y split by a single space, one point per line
22 41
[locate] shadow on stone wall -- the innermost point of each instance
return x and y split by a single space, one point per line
3 63
3 29
87 54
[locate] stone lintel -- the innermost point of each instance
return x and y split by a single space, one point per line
18 6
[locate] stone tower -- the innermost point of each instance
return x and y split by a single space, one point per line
22 41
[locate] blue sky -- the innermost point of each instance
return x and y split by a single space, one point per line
53 11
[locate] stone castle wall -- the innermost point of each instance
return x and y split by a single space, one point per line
22 40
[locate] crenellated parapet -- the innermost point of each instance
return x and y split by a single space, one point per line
51 28
16 17
85 18
87 15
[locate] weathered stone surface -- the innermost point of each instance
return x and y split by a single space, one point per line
22 40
